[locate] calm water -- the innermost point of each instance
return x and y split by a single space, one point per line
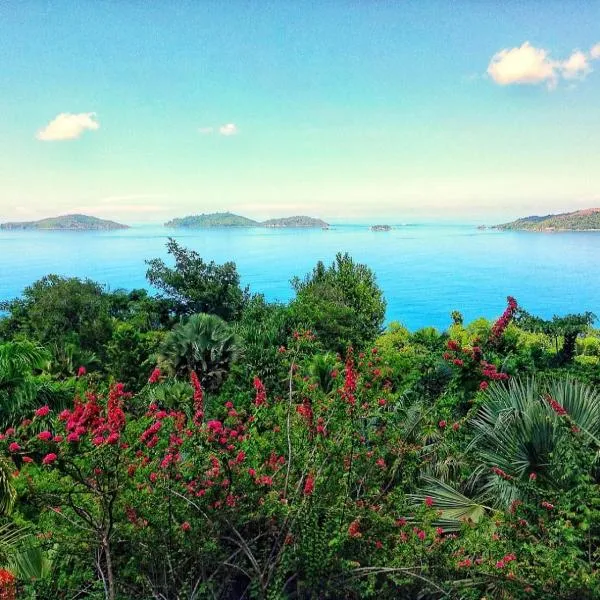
425 271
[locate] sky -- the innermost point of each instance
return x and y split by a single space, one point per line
140 110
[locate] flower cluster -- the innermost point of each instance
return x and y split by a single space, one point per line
502 323
558 408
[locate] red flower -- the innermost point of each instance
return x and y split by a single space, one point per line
45 436
428 501
309 485
532 477
27 459
261 394
185 526
442 424
49 458
81 371
42 411
547 505
484 385
14 447
354 529
154 376
555 406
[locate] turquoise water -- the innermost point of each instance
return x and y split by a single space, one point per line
426 271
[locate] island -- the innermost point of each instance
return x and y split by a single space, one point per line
580 220
381 228
296 221
224 219
227 219
66 223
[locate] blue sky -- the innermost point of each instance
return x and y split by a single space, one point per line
140 111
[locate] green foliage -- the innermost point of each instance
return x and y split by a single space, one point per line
194 286
341 302
204 344
57 311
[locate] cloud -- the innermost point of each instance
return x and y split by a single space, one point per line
576 66
523 65
68 126
228 129
528 65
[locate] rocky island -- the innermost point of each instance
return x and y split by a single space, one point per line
381 228
66 223
580 220
227 219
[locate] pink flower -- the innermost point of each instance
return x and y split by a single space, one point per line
532 477
49 458
73 437
27 459
428 501
442 424
154 376
185 526
215 426
45 436
14 447
309 485
113 438
81 371
484 385
42 411
98 440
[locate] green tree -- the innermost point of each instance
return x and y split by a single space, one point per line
195 286
56 311
204 344
342 302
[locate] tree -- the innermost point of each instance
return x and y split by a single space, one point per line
342 302
56 311
195 286
566 328
204 344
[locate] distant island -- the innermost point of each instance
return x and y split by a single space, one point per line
66 223
228 219
225 219
381 228
581 220
297 221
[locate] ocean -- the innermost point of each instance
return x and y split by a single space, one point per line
425 271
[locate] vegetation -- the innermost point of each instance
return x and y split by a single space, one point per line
67 223
580 220
206 443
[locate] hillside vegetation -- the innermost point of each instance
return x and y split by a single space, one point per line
67 222
206 444
580 220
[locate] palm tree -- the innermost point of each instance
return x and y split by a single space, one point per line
518 431
19 361
205 344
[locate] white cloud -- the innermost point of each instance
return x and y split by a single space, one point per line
228 129
206 130
576 66
68 126
523 65
528 65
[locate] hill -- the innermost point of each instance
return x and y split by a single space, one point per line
225 219
580 220
66 223
297 221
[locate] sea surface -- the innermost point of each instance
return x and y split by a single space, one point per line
425 271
